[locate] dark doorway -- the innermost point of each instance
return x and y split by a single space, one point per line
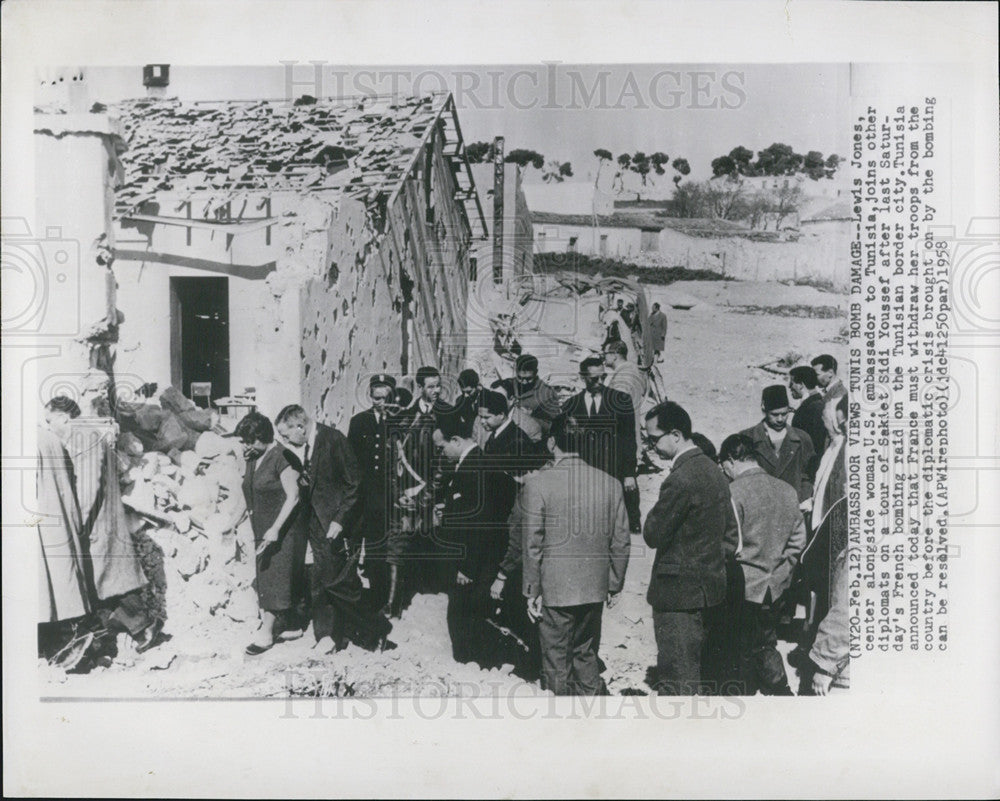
199 334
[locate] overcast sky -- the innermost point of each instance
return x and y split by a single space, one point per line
567 111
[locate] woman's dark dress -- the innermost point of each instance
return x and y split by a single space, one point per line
279 567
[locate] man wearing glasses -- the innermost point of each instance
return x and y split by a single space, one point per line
691 527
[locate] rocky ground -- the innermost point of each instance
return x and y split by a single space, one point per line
719 349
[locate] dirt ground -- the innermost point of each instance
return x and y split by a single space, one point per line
712 368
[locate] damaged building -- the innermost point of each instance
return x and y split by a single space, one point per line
279 250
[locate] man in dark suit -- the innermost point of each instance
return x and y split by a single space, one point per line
692 527
826 375
474 543
369 441
607 420
417 466
808 417
329 488
782 450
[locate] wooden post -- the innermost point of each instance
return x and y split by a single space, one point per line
498 176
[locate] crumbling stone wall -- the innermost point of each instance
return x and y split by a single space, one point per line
350 315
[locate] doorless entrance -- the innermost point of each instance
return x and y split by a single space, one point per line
199 335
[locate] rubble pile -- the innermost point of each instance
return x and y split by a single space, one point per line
187 505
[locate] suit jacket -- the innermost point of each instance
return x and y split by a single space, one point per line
609 439
691 526
469 525
809 418
411 437
507 454
772 530
575 534
794 462
835 391
467 409
369 442
333 478
540 402
627 378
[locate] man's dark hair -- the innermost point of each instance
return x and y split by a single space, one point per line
468 378
704 444
255 427
423 373
803 375
617 346
526 362
62 403
669 417
493 402
826 361
451 425
737 447
292 412
842 406
567 433
656 307
590 361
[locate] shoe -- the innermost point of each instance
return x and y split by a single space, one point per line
256 650
291 634
148 637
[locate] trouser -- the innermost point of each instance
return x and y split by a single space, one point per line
570 637
632 508
680 642
761 666
472 637
720 670
514 614
338 610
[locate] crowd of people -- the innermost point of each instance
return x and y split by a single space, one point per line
520 506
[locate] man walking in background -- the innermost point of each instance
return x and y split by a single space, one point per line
576 549
658 329
808 417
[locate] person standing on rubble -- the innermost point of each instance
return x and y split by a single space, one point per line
658 328
329 484
367 434
271 489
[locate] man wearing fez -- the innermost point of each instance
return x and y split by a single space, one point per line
693 528
783 451
367 434
473 542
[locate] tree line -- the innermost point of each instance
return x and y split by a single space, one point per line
726 196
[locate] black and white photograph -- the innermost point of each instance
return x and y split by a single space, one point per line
483 386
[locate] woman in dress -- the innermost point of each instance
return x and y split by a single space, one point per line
271 489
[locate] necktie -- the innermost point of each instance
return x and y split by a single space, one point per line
305 459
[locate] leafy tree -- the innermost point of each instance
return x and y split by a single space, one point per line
682 168
522 158
478 152
723 165
787 199
603 155
778 159
557 172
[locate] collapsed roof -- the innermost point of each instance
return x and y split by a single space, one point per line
360 148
